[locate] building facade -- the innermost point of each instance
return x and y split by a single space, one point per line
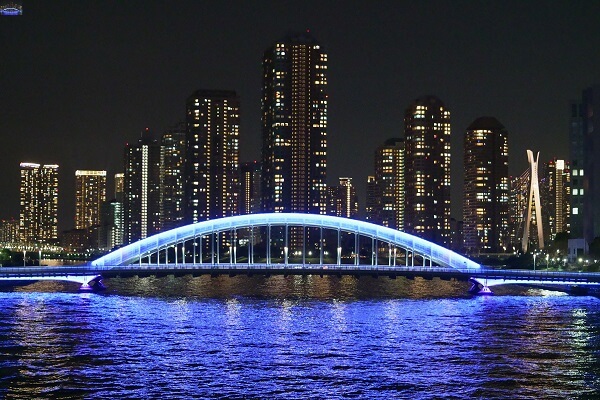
141 189
110 233
294 124
576 146
427 170
172 159
585 166
38 222
211 155
342 198
373 202
389 177
90 193
9 231
556 197
486 189
250 180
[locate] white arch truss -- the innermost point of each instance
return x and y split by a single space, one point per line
437 255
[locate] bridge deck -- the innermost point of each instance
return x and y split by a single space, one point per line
505 276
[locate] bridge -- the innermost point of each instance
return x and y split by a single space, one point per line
293 244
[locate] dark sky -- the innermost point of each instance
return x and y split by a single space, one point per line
78 78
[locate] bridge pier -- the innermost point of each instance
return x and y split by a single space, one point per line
480 289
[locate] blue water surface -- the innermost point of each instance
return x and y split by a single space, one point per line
295 338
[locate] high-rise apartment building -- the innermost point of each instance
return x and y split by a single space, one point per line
389 177
342 198
294 120
427 170
212 155
141 189
373 203
38 221
9 231
90 193
172 177
556 198
518 200
250 180
585 166
119 186
110 233
486 190
576 146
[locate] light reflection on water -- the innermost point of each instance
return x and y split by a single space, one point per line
295 337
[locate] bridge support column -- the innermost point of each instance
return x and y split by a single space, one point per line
200 250
339 248
194 250
286 247
356 248
269 244
212 248
251 247
372 251
321 245
303 245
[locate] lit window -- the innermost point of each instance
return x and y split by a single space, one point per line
575 210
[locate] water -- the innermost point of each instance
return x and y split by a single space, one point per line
295 338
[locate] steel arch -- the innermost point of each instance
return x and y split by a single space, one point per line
436 253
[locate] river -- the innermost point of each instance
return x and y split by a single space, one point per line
296 338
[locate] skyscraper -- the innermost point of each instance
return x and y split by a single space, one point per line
171 177
373 203
342 198
486 190
250 179
557 193
141 189
119 186
585 166
39 203
294 121
518 200
427 170
211 155
576 147
90 193
389 176
110 234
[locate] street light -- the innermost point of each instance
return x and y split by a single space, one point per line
24 251
40 257
534 254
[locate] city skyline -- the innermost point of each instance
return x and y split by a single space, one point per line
89 105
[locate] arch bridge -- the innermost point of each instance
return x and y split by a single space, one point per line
286 239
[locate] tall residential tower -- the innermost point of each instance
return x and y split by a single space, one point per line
141 189
211 155
294 123
486 190
39 203
90 193
427 170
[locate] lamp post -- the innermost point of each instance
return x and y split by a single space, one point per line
534 254
24 252
40 257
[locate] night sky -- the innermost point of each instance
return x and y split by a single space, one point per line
79 79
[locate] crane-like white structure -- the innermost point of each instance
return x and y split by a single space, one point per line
534 195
